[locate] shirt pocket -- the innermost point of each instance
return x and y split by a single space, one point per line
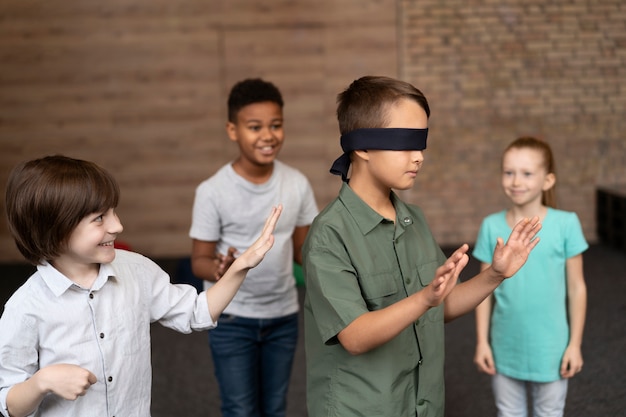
426 272
380 289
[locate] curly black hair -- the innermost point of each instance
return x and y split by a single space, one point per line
249 91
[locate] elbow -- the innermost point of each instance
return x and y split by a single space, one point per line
354 347
355 350
448 314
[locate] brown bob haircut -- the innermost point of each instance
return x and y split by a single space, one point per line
47 198
365 104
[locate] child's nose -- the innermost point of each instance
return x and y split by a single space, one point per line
267 133
115 226
418 156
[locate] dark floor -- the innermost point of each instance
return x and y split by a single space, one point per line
184 385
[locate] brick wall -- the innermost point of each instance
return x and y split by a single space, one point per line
496 70
140 87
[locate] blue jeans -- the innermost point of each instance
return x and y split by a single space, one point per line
252 360
548 399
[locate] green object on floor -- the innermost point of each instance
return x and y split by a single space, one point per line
298 274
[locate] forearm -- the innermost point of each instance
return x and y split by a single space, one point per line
204 268
299 235
467 295
576 299
25 397
223 291
376 328
483 320
577 310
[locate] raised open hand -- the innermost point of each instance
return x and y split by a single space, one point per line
446 276
509 258
256 252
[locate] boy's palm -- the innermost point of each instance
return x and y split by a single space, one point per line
256 252
509 258
446 276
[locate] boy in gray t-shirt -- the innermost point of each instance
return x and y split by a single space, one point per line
254 344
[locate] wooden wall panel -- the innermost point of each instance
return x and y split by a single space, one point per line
140 87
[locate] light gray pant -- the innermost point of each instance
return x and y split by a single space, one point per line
548 398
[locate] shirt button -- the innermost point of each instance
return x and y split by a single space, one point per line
110 379
420 402
408 280
406 220
417 322
101 335
90 295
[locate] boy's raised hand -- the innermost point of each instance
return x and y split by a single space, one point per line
220 294
446 276
256 252
509 258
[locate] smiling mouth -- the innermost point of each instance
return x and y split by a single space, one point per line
107 244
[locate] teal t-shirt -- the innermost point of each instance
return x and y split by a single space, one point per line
529 324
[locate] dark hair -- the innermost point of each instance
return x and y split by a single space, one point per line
366 102
548 197
250 91
47 198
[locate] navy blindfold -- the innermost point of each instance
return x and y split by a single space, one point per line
390 139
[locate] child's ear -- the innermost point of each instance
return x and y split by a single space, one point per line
549 182
231 131
361 154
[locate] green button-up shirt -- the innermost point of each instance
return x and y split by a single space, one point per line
356 261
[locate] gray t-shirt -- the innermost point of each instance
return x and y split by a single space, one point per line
231 211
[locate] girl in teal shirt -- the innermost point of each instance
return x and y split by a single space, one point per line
529 331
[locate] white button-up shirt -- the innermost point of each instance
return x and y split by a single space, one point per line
104 329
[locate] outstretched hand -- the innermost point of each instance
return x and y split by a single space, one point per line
256 252
509 258
446 277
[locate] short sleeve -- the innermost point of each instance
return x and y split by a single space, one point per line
575 242
205 219
337 301
485 243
